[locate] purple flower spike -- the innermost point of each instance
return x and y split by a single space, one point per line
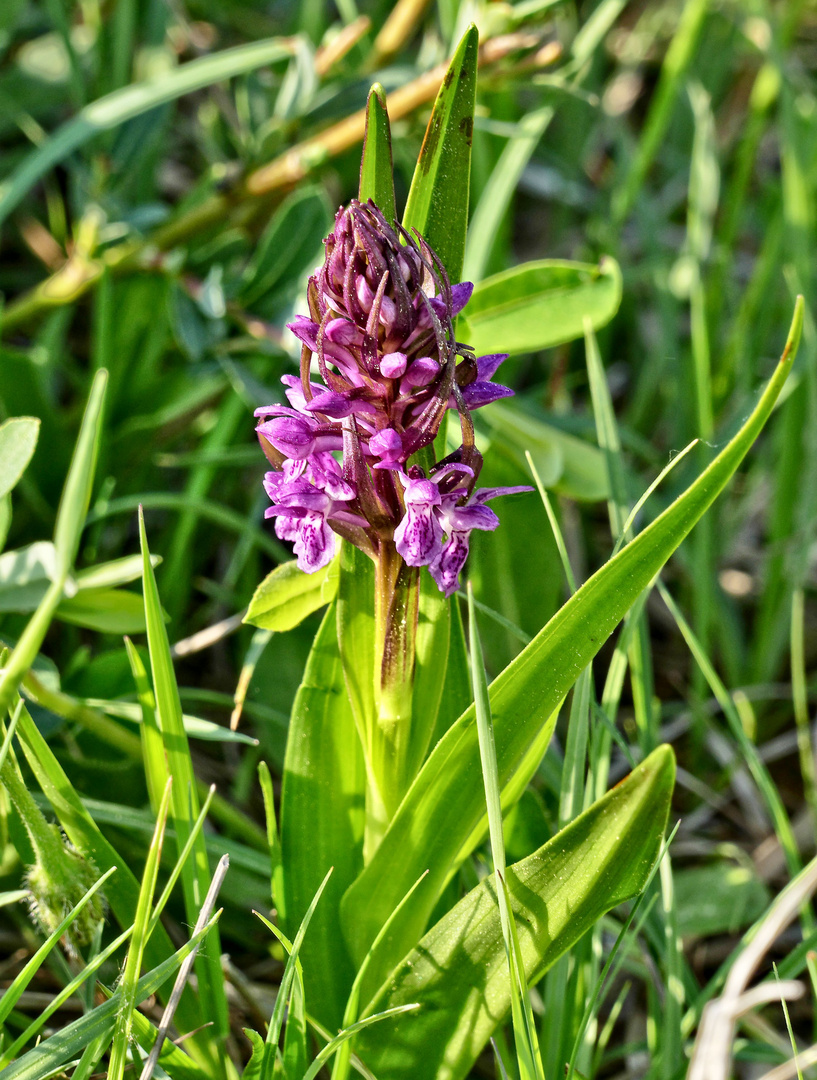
379 344
418 537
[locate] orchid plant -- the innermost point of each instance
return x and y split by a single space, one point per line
402 961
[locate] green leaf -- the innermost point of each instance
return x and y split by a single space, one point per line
122 889
76 496
128 986
540 304
184 797
287 247
430 670
376 167
458 972
110 611
18 441
322 820
720 898
287 596
252 1070
437 205
122 105
25 575
172 1059
567 464
444 805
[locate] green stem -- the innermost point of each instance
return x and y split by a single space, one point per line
396 613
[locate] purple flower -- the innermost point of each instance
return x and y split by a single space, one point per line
307 496
419 536
482 391
457 522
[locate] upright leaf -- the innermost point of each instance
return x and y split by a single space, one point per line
376 167
437 203
76 496
322 821
184 796
444 805
459 974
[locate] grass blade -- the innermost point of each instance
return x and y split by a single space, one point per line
141 928
76 496
184 797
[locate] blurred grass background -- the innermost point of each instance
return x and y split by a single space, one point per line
167 236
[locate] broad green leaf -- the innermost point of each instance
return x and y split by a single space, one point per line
25 575
5 519
430 670
110 611
719 898
134 100
444 805
437 205
184 796
108 575
567 464
376 168
287 248
540 304
322 821
456 693
287 596
18 441
356 633
46 1058
458 972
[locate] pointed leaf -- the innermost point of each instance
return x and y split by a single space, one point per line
437 204
459 974
444 804
184 799
376 167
